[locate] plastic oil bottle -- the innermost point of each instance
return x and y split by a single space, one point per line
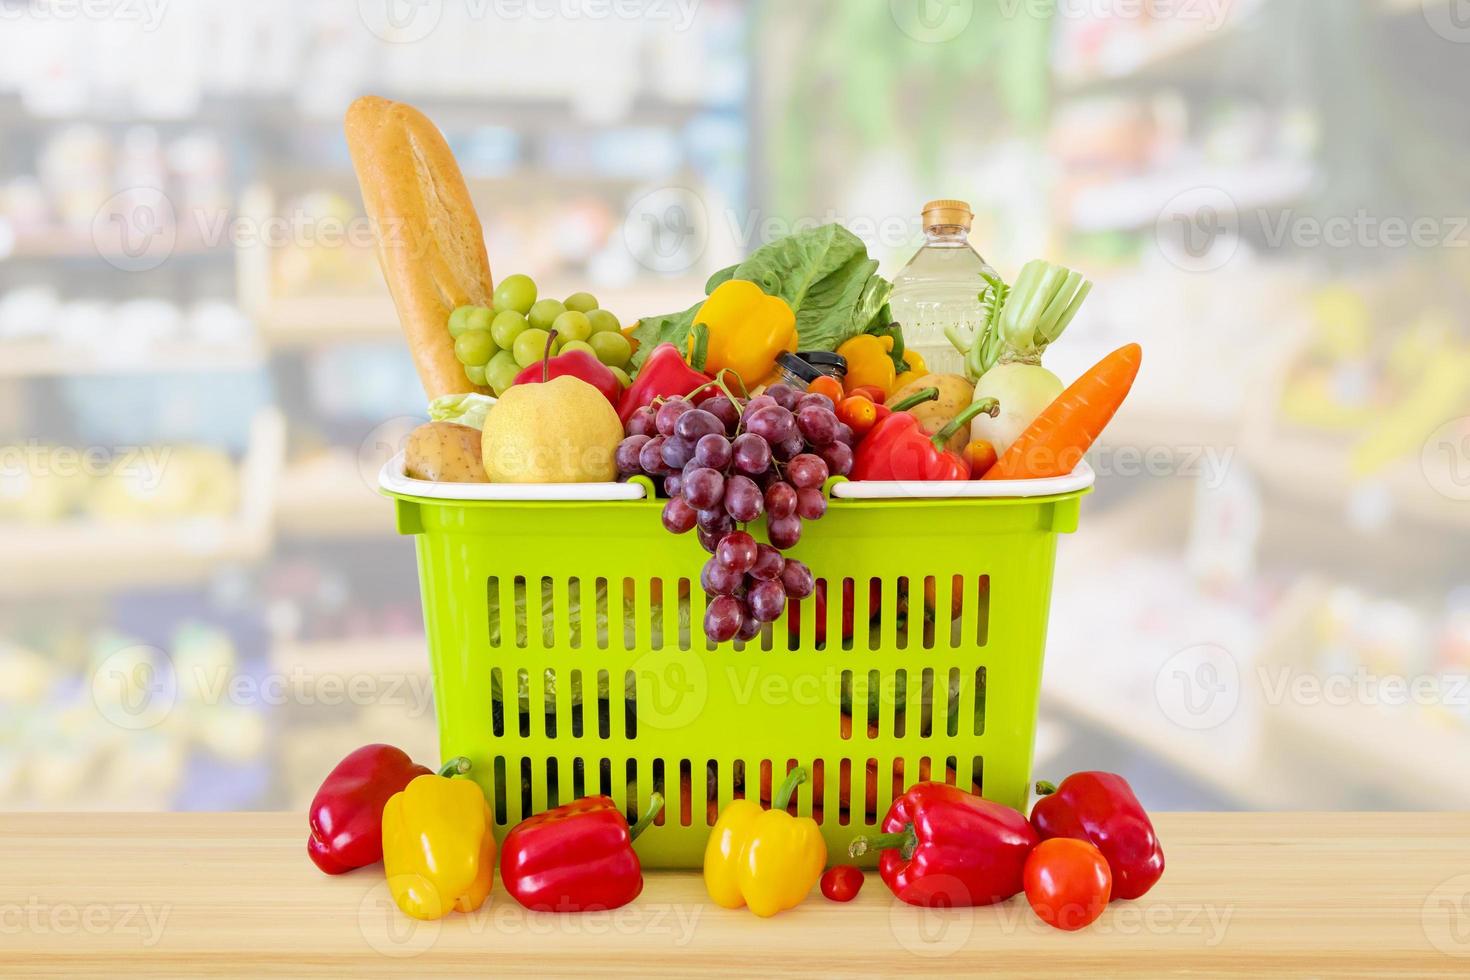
940 286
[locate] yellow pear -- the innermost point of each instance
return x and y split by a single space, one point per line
559 431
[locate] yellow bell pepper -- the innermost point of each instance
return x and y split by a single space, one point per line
748 330
767 860
438 852
869 362
917 369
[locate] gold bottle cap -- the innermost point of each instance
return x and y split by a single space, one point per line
947 212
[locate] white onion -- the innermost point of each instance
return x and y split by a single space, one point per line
1023 390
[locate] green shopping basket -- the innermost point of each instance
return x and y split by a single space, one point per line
568 655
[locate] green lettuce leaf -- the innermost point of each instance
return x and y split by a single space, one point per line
467 409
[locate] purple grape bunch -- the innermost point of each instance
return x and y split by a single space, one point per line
727 461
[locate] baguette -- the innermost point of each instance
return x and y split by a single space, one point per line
430 245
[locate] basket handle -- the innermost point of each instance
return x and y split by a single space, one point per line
408 518
1061 515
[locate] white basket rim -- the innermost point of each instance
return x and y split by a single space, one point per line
1079 479
392 479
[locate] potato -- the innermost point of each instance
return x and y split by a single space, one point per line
955 394
445 452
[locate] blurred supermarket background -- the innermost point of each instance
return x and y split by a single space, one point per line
1268 605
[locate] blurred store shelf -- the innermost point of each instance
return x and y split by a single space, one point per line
263 110
311 320
1328 468
1371 735
1404 753
331 496
1317 469
28 359
1182 48
110 243
90 555
528 113
372 655
1141 201
308 754
87 556
305 321
1160 54
1236 776
1110 658
1147 425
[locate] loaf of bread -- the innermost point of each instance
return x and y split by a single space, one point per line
430 245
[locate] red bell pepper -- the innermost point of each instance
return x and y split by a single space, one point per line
898 448
577 363
575 858
1099 807
663 375
346 815
944 847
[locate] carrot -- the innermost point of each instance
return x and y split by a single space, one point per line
1055 443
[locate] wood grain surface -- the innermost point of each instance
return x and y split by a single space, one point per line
234 894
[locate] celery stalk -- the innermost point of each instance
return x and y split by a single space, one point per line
1023 310
1058 303
1065 319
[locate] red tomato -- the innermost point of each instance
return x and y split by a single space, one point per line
842 882
980 454
1067 882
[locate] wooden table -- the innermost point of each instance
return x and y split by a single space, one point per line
225 894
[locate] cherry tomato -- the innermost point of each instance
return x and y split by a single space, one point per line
1068 882
842 882
872 393
981 456
859 412
827 385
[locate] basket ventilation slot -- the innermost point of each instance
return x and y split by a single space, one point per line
524 700
689 804
873 699
870 614
860 614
